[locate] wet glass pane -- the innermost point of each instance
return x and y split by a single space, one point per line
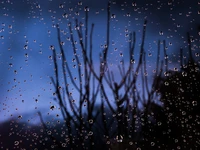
99 74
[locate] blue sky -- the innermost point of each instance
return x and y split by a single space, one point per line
27 32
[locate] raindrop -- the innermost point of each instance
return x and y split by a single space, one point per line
90 121
77 28
80 3
25 47
61 6
113 16
19 117
166 83
77 13
176 140
26 55
128 14
130 143
132 61
71 9
51 47
152 143
161 33
194 103
169 3
10 64
37 5
49 132
16 143
65 15
52 107
184 74
119 138
62 43
175 69
183 113
197 54
10 26
134 4
68 38
108 142
90 133
64 145
86 9
159 123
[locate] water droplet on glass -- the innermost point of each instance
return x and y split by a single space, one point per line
26 55
37 5
19 117
80 3
16 143
10 26
65 15
113 16
166 83
194 103
71 9
161 33
10 64
86 9
51 47
25 47
90 133
197 54
52 107
90 121
130 143
152 143
62 43
61 6
77 13
134 4
175 69
119 138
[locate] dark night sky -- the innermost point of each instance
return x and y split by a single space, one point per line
30 22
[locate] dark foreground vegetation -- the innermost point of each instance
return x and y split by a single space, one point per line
163 115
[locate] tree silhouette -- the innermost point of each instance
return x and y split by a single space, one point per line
112 124
177 123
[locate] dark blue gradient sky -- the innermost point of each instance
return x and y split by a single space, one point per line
27 30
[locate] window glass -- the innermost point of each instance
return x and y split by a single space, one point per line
99 74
